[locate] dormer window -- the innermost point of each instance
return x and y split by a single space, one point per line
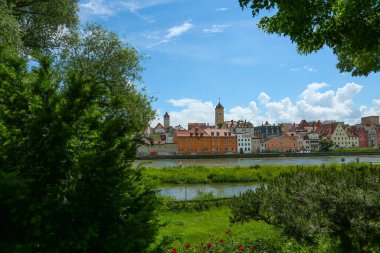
217 133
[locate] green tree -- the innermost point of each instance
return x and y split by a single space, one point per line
350 28
67 138
39 25
326 144
343 205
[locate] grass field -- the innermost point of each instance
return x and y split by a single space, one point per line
220 174
197 227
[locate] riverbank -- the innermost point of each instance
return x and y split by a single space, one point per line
262 155
236 174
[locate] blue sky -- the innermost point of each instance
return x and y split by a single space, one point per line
198 51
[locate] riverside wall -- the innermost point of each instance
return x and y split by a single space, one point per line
260 155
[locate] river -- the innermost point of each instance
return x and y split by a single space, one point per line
188 192
230 162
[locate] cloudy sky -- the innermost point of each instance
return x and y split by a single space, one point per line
198 51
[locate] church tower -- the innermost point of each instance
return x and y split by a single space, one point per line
166 120
219 115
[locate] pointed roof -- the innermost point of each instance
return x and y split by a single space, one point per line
166 115
219 106
159 126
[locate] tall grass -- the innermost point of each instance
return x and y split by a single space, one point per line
221 174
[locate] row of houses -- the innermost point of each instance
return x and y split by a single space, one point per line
234 137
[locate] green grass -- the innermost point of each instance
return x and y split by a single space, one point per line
218 174
198 227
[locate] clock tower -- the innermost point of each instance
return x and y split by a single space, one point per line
219 115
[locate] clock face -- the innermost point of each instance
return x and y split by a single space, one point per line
220 113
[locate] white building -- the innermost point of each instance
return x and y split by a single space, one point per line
244 143
314 140
343 139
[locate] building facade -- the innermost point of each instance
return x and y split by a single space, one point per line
166 120
283 143
370 120
205 141
344 139
219 116
244 143
267 130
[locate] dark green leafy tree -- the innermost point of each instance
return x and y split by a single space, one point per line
37 24
350 28
67 138
343 205
326 144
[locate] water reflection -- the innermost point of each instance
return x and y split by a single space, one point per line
187 192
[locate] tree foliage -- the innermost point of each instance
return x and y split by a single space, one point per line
326 144
67 138
350 28
37 24
341 204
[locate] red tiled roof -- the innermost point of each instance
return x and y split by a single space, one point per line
159 125
326 130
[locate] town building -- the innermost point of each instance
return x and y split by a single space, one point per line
314 140
158 148
244 143
340 136
267 130
166 120
242 127
219 115
205 141
283 143
256 144
370 120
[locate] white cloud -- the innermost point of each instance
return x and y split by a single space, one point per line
191 111
329 104
312 104
97 7
173 32
263 98
177 31
249 113
374 110
215 29
106 8
281 111
303 69
221 9
309 69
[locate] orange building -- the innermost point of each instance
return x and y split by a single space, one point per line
205 141
281 144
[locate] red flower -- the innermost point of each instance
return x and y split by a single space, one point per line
174 250
241 248
209 245
251 248
187 245
221 240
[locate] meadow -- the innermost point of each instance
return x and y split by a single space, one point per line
222 174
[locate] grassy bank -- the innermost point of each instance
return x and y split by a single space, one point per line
198 227
219 174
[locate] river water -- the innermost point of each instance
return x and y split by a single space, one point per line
188 192
161 163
